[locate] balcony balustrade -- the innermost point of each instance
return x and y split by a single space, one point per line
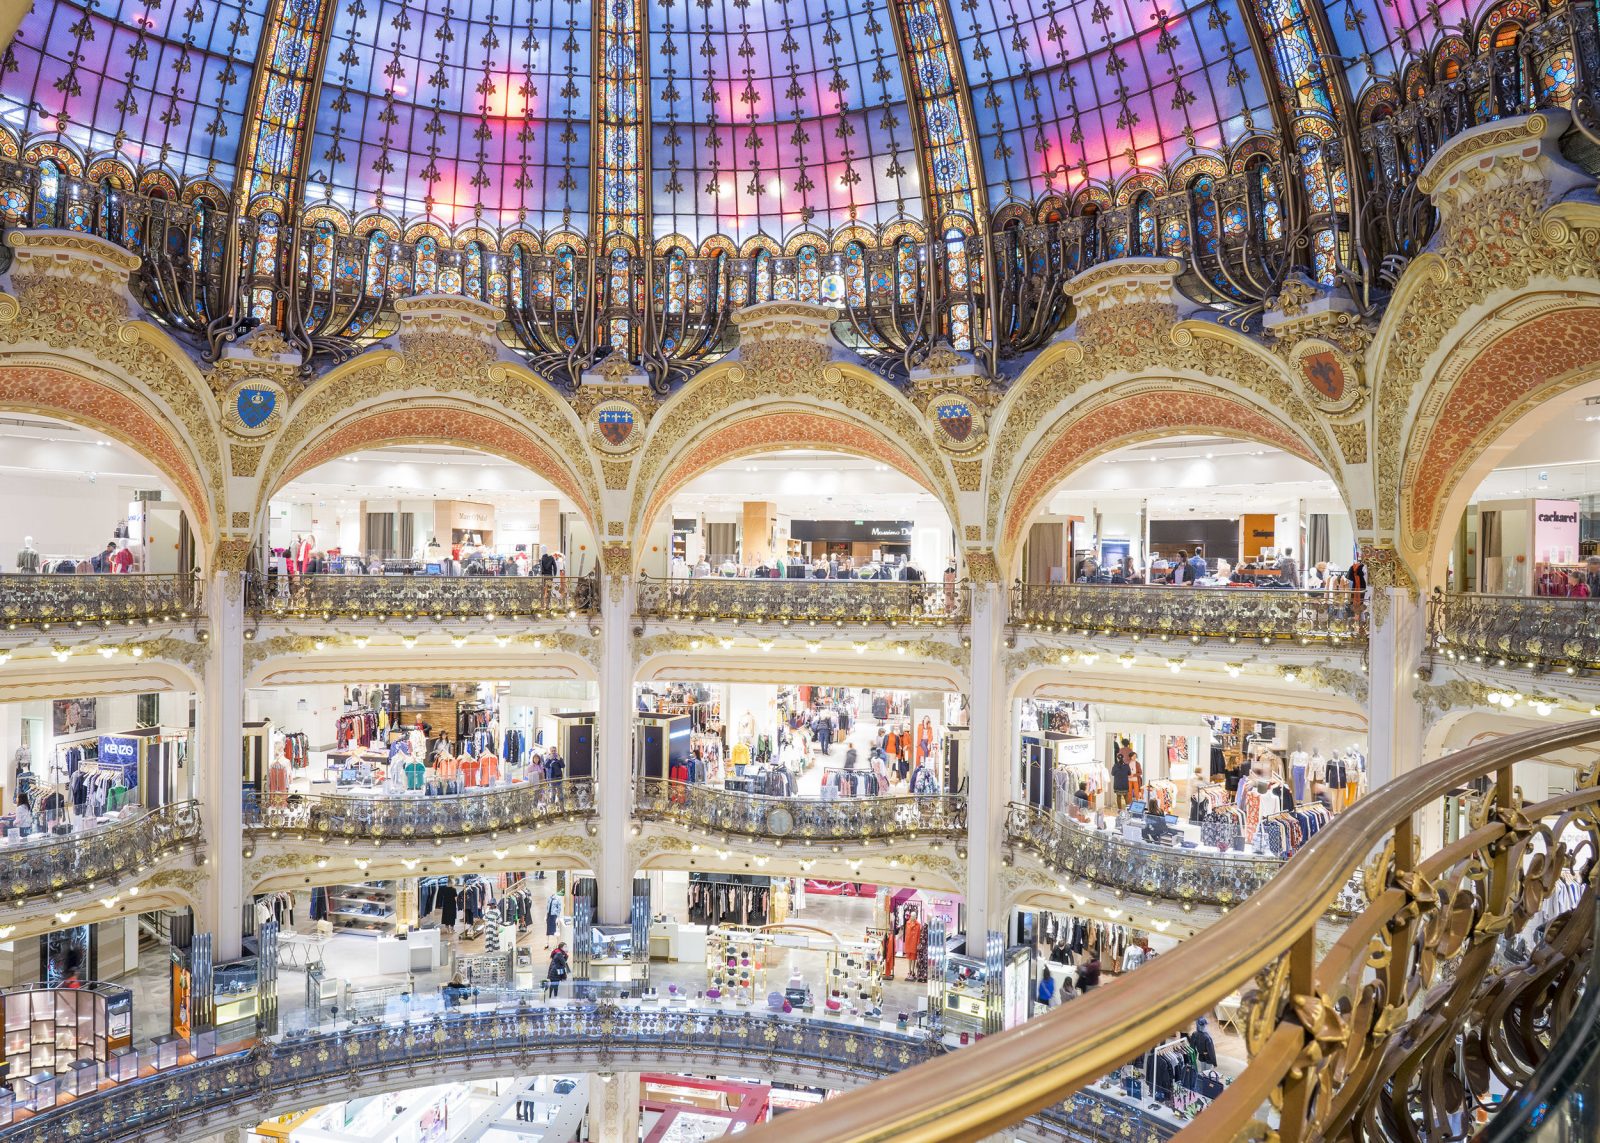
422 596
1391 1031
807 601
417 817
801 820
306 1069
1535 632
86 859
1234 614
62 600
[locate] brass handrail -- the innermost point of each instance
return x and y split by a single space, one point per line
921 602
421 596
400 818
102 598
1231 613
885 817
1516 630
1323 1037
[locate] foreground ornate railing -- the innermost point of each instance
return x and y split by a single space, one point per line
838 601
1516 630
422 596
1157 871
1392 1032
49 600
1233 613
803 819
303 1070
404 818
67 863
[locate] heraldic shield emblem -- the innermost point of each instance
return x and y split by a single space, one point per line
254 406
616 425
955 418
1325 374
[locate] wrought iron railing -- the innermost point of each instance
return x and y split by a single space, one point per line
399 817
422 596
1516 630
1463 965
885 818
1237 614
1074 852
835 601
306 1069
46 864
68 600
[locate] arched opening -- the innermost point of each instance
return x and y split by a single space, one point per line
796 511
81 502
1258 512
430 509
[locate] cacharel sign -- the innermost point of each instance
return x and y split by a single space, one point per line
1556 531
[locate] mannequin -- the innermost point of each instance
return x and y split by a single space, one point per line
28 557
302 555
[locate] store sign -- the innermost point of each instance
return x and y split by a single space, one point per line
118 750
1555 531
857 531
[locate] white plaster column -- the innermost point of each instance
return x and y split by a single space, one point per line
989 772
614 1107
1397 628
221 728
614 729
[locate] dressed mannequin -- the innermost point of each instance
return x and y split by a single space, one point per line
28 557
302 555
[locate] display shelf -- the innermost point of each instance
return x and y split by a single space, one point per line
346 912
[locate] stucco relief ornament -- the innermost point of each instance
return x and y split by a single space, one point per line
616 427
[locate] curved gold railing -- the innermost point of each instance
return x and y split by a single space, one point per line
1516 630
61 599
1390 1034
904 817
47 864
421 596
926 602
1236 614
401 818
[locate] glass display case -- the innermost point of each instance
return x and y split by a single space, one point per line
235 988
50 1029
167 1050
123 1065
965 999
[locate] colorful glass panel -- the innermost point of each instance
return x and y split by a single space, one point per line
377 262
951 160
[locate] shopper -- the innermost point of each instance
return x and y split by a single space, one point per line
102 562
1319 793
1288 570
552 919
1155 822
850 757
1591 576
1047 987
1197 567
1120 772
1180 569
558 969
455 992
1089 974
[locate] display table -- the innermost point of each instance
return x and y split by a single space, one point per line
391 955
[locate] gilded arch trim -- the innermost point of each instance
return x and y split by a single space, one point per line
1120 417
406 421
56 392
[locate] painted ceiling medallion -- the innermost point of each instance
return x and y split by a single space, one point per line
959 422
617 426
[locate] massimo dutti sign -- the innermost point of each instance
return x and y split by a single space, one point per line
855 531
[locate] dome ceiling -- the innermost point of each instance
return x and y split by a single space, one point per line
760 116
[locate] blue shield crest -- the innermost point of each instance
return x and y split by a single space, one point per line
254 406
956 419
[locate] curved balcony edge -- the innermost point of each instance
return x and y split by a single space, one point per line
1542 634
420 596
1336 1041
923 603
1234 614
801 821
60 600
99 858
415 818
302 1070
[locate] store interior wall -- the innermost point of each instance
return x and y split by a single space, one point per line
68 514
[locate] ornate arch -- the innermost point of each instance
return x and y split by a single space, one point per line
1129 414
1465 413
770 429
50 391
435 421
849 408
